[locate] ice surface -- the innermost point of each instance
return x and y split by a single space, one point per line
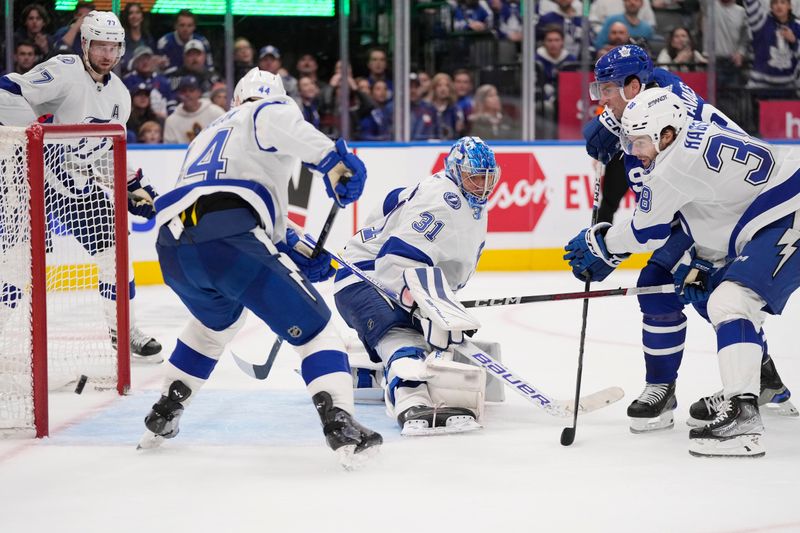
251 456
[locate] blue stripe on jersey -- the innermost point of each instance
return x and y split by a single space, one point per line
366 266
11 86
657 232
736 332
191 361
323 363
391 200
167 199
399 247
255 133
763 203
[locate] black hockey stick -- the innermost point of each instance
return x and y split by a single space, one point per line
568 433
262 371
514 300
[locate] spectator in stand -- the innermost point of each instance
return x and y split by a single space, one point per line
568 18
425 85
67 39
617 36
172 46
137 33
269 59
549 59
377 66
140 110
192 115
360 105
307 66
142 66
507 20
194 64
602 9
449 117
377 125
679 55
422 113
637 28
24 57
34 21
363 85
731 40
462 80
243 58
309 99
487 120
150 133
219 96
472 15
775 49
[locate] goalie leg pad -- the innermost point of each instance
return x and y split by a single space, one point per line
495 390
454 384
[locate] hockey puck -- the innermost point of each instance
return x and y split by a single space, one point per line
81 384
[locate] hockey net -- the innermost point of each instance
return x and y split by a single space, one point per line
63 267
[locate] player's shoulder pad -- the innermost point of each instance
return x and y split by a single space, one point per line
440 195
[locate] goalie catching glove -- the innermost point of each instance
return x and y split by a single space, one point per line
428 296
317 268
140 196
344 174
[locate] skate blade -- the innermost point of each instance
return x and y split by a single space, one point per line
647 425
419 428
785 408
350 460
697 423
149 441
743 446
154 359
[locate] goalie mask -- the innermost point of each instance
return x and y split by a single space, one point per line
471 165
101 26
646 116
257 84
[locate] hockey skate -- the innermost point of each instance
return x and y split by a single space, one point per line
353 443
421 420
735 432
144 348
652 410
774 397
162 421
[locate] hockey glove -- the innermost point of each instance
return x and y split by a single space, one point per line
588 256
316 269
694 279
344 174
141 196
602 137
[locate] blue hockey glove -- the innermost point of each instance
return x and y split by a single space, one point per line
344 174
588 256
602 137
141 196
694 280
316 269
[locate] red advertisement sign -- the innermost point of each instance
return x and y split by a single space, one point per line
519 199
779 119
570 114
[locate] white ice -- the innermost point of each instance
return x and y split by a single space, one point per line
251 456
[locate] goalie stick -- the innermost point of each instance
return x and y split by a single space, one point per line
509 378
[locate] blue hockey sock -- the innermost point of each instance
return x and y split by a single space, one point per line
663 339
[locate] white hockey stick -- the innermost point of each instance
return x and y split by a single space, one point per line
509 378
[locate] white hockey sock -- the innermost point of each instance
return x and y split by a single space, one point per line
740 353
324 367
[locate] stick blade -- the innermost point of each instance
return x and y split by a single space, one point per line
567 436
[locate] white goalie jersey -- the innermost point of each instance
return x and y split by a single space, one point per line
723 185
430 224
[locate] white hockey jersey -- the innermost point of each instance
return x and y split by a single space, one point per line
723 185
430 224
250 151
61 87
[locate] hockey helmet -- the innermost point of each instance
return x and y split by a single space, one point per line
102 26
258 84
618 65
469 160
648 114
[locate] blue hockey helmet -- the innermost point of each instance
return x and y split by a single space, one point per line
471 165
618 65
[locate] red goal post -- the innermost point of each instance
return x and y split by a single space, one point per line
63 266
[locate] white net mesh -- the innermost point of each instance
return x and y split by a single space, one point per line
81 268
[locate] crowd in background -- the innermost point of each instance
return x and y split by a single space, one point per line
177 86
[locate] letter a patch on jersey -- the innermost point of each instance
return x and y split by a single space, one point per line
115 112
